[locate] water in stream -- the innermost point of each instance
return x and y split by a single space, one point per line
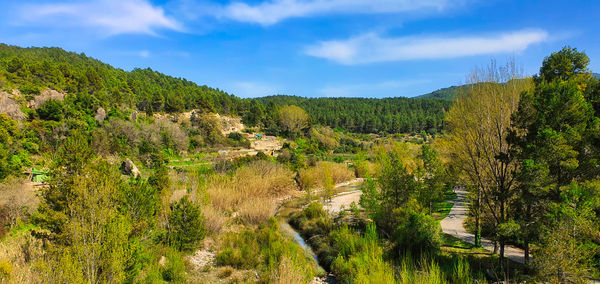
287 228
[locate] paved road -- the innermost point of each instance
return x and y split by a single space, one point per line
453 225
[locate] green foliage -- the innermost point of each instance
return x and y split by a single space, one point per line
417 234
448 94
564 65
555 129
160 178
33 69
186 225
362 115
360 258
264 249
140 204
174 267
51 110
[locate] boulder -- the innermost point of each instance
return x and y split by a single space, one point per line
10 107
129 168
133 116
100 114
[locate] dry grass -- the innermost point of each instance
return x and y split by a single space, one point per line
20 253
256 210
287 273
17 199
259 180
213 219
225 271
315 177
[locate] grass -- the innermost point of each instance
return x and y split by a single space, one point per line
441 210
481 259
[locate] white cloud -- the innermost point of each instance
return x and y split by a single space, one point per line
372 48
253 89
377 89
110 17
272 11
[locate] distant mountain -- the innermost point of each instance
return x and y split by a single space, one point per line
446 94
596 75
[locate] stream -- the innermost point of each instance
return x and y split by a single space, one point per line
343 191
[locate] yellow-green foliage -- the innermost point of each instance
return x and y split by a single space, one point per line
318 176
325 136
408 152
5 270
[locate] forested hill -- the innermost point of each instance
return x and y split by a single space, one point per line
91 84
98 84
596 75
447 94
367 115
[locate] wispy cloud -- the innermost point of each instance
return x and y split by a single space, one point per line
109 17
377 89
272 11
372 48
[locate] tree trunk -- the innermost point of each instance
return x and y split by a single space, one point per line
477 221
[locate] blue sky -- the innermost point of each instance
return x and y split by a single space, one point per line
314 48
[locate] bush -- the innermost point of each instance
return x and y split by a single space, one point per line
5 270
51 110
418 234
235 136
174 268
360 258
186 225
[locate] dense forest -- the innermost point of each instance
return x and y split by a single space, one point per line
362 115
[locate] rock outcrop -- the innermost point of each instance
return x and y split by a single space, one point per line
100 114
10 107
129 168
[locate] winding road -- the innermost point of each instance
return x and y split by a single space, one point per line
453 225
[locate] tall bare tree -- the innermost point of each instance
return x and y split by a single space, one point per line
478 124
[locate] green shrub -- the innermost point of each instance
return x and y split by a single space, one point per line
186 225
51 110
174 268
418 234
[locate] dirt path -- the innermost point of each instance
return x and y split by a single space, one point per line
453 225
351 193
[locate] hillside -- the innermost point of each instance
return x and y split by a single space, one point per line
596 75
33 69
95 84
447 94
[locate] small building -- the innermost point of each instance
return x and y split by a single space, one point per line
38 175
